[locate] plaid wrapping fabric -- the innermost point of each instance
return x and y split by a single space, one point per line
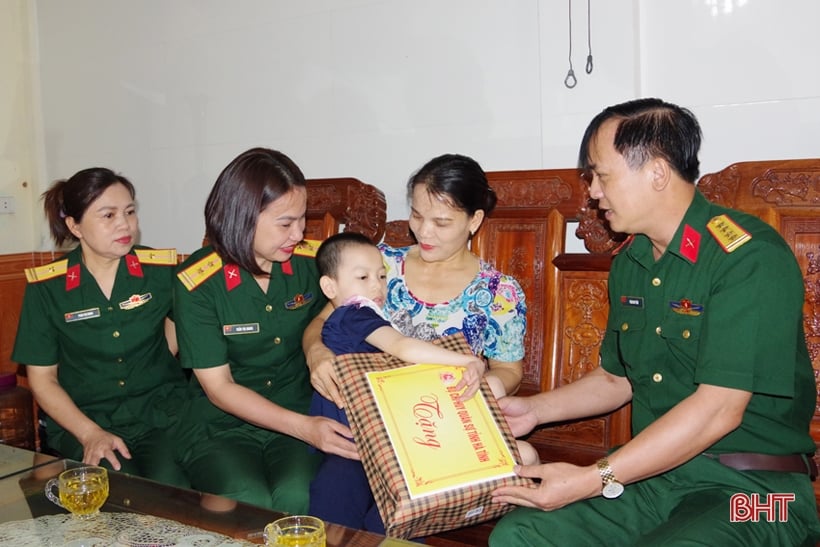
405 517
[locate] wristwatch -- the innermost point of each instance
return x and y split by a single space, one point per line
611 487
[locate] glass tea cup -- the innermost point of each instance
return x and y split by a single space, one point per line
82 490
296 531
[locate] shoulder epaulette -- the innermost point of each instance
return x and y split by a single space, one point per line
48 271
307 247
160 257
195 274
729 235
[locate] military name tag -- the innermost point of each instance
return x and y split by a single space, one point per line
632 301
246 328
82 315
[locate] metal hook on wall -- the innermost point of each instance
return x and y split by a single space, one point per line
571 81
589 38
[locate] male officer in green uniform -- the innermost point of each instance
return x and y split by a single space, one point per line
705 338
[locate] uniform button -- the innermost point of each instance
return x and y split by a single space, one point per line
656 282
116 334
624 327
658 330
268 383
121 383
657 377
119 359
110 308
686 334
268 307
277 340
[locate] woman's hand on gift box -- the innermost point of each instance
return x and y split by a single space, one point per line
471 378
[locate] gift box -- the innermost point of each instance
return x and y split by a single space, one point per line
437 502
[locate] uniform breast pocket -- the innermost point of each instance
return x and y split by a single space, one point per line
682 332
630 328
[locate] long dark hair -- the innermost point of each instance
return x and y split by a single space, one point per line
71 198
250 182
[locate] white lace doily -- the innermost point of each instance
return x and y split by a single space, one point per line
109 529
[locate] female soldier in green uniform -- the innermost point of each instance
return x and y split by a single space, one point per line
93 331
241 307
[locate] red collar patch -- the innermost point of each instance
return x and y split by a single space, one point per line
232 277
72 277
134 266
690 243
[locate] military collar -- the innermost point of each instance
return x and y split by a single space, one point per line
77 274
687 241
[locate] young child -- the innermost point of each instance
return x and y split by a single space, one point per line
354 280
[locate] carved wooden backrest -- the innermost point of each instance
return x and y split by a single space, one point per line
786 194
345 204
12 287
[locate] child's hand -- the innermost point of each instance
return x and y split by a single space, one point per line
471 378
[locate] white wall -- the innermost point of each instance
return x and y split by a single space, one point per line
18 231
168 91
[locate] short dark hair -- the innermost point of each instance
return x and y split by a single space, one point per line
71 198
458 179
650 128
248 184
329 255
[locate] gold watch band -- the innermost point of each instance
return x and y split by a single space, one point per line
611 487
607 475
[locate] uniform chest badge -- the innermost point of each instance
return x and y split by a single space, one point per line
135 301
298 301
686 307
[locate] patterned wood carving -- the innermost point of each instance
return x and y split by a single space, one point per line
595 233
397 234
516 246
345 203
586 307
